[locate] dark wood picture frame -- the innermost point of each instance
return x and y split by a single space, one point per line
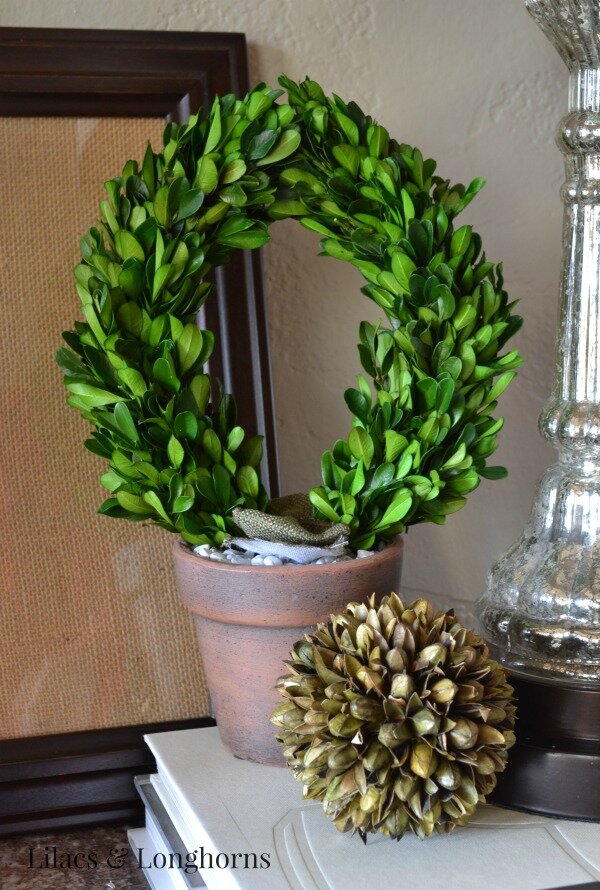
85 778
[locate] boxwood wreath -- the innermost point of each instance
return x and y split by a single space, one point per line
422 429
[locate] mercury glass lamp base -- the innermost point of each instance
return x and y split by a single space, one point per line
541 610
548 672
554 767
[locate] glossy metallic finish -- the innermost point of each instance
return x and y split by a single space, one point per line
541 611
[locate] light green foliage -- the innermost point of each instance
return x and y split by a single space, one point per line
135 367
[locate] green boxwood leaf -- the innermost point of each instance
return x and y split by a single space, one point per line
160 205
185 500
189 347
161 279
493 472
404 466
164 375
175 452
499 386
402 267
124 423
190 203
207 176
186 425
252 451
408 208
69 363
460 240
131 277
328 469
361 446
318 499
315 226
456 458
200 389
214 134
129 316
233 195
246 240
445 301
92 396
258 102
358 403
133 503
358 482
128 247
235 438
347 157
261 144
382 477
428 390
398 508
465 316
148 170
247 480
445 391
212 445
285 209
286 145
111 480
379 139
153 500
233 171
394 445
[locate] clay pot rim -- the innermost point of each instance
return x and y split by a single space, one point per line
183 550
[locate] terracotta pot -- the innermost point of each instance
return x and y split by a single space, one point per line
249 617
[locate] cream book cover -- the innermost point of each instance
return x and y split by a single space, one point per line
249 827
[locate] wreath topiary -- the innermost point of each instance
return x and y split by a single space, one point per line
135 365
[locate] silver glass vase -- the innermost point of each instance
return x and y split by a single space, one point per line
541 610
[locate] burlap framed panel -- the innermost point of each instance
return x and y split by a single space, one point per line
92 634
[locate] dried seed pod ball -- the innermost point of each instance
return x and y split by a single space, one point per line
396 718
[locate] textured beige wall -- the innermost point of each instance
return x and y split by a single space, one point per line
474 84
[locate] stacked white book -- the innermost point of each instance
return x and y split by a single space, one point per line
216 821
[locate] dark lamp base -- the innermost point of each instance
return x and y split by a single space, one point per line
554 767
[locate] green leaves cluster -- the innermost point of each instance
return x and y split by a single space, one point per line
136 364
420 442
422 431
